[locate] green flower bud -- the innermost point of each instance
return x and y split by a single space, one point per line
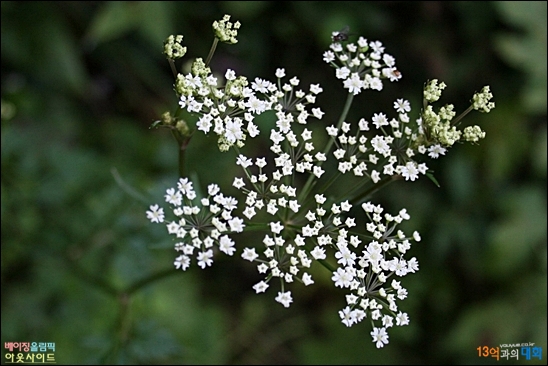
199 68
473 134
432 91
481 100
225 31
173 48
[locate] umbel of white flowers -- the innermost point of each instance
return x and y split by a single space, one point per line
357 241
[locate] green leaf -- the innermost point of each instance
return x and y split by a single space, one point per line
433 179
113 20
157 21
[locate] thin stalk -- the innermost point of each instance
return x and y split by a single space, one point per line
212 50
455 121
344 113
329 182
173 68
368 192
148 280
182 143
324 263
252 226
182 150
126 187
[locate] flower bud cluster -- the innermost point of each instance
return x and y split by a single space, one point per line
482 100
225 30
439 128
173 49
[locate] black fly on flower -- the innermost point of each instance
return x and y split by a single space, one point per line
340 36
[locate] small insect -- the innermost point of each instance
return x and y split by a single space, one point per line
340 36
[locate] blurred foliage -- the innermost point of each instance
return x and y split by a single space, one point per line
82 267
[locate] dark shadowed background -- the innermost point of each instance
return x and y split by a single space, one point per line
82 267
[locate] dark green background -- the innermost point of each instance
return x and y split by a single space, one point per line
83 81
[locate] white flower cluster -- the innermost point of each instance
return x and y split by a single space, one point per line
308 223
390 152
199 227
231 110
361 65
366 261
367 275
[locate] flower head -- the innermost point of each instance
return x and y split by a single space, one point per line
173 49
225 30
283 193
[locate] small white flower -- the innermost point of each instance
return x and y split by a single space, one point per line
318 253
315 88
328 56
155 214
243 161
379 120
410 171
284 298
307 279
402 319
226 245
435 151
182 262
230 74
320 199
317 112
354 84
342 73
380 337
412 265
347 316
213 189
205 259
260 287
387 321
173 197
238 183
276 227
376 46
402 106
342 278
249 254
236 224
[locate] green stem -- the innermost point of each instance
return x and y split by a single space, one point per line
368 192
148 280
182 150
212 50
324 263
329 182
344 113
182 143
173 69
91 279
126 187
256 226
342 117
455 121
